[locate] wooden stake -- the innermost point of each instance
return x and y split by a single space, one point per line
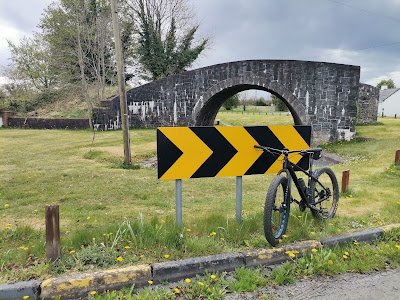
345 180
52 233
397 158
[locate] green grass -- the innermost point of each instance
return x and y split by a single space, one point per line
97 197
351 257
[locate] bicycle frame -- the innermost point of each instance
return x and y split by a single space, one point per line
288 168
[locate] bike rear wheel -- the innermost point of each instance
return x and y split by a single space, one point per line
324 193
276 210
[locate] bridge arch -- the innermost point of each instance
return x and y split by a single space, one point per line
207 106
320 94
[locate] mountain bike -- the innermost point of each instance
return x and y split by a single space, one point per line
321 195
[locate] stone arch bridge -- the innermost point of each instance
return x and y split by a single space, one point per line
320 94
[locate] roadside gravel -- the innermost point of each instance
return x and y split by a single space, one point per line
374 285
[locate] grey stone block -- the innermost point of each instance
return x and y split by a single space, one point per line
176 270
361 236
19 290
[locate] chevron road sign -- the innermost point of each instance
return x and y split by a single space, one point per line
193 152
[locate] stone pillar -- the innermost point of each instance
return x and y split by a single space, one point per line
5 114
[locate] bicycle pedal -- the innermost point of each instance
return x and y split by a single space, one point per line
302 206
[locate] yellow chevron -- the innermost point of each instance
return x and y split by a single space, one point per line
195 152
290 139
246 155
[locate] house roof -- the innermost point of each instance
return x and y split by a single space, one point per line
384 94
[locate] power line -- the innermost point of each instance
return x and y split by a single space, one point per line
365 10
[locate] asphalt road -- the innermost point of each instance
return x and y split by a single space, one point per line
371 286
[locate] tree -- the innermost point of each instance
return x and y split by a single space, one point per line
164 50
232 102
80 37
389 83
278 103
31 61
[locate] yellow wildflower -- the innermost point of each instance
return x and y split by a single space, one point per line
314 250
188 230
150 282
285 236
166 255
72 251
212 276
176 290
120 258
5 205
26 297
200 283
188 280
93 293
127 247
344 256
222 239
88 218
312 232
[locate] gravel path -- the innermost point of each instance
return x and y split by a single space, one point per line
374 285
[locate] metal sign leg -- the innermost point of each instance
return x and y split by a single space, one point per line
178 202
239 199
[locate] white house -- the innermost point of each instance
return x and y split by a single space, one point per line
389 103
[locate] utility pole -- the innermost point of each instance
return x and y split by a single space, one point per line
121 83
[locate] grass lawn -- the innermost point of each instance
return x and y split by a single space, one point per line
112 216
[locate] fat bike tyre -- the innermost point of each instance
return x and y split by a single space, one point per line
329 190
276 210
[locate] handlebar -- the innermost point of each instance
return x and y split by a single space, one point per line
287 151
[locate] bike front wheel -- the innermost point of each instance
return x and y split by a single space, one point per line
276 210
324 193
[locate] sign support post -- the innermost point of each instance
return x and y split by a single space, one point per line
178 202
239 199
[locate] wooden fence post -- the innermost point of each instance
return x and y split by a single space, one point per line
345 180
53 232
397 158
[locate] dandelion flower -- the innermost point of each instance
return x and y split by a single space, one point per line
88 218
26 297
150 282
314 250
312 232
330 262
188 280
212 276
280 241
188 230
176 290
166 255
291 255
299 216
120 258
355 243
397 246
93 293
347 253
127 247
5 205
162 221
344 256
35 210
285 236
222 239
72 251
7 227
200 283
141 256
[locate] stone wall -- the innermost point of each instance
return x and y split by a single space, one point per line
43 123
321 94
368 99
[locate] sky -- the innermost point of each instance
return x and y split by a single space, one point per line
365 33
